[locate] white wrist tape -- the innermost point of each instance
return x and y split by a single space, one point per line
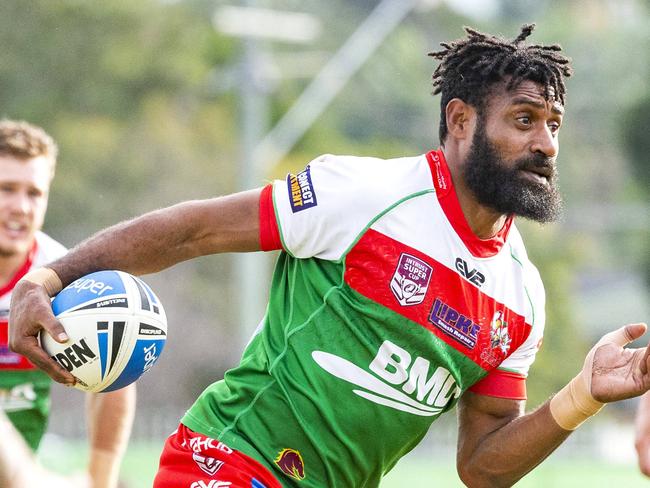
46 277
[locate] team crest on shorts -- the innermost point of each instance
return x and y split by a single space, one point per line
411 279
291 463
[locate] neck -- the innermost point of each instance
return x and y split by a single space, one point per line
484 221
9 266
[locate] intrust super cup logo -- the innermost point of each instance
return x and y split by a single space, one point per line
410 280
291 464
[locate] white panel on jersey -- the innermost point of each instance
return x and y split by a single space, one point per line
349 193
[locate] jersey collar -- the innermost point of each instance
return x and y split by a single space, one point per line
482 248
22 271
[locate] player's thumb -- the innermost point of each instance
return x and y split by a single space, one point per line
624 335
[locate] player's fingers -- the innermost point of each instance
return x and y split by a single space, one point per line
44 362
624 335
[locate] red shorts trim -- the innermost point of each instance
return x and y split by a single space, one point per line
502 384
191 460
269 232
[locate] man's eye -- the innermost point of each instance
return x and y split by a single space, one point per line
554 126
524 119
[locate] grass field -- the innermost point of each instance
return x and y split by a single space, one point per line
413 472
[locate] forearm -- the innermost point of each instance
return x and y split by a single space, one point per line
110 417
505 455
642 434
162 238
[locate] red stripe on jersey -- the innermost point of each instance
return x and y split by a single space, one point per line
502 384
10 360
448 200
22 271
269 232
425 291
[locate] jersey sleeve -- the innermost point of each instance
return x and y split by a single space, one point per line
320 211
509 379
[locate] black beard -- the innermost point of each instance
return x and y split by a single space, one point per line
500 186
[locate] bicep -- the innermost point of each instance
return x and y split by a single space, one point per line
480 415
223 224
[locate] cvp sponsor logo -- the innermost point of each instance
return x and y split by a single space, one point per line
301 191
96 287
75 355
410 280
211 484
291 463
401 382
454 323
472 275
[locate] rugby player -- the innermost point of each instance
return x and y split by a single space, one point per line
27 163
402 290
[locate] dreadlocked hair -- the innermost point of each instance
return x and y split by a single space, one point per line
469 68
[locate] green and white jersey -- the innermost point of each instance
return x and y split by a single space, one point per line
24 389
384 309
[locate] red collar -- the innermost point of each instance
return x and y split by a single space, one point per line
482 248
22 271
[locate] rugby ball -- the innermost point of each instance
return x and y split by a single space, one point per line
117 329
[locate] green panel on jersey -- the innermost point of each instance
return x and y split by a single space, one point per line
25 398
328 353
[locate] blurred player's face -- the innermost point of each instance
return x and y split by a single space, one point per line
511 163
24 187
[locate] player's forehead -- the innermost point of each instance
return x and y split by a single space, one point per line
526 93
34 172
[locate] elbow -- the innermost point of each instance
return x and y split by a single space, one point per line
480 475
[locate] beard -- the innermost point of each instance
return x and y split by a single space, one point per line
501 186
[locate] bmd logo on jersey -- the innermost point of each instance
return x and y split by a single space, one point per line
420 393
411 279
301 191
454 323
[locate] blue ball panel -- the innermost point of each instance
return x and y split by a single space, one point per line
145 353
102 284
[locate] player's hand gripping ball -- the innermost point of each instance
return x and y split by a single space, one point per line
117 329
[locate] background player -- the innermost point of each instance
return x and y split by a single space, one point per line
403 288
27 164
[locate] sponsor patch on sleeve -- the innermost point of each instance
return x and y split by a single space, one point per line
301 191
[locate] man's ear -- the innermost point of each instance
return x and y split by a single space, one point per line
461 119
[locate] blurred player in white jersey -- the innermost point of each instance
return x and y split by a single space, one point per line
27 164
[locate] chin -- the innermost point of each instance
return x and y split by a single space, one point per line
12 248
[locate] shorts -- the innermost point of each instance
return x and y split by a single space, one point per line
191 460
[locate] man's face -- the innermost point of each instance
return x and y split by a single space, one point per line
511 166
24 187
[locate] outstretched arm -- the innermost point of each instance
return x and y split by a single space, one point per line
150 243
109 417
498 445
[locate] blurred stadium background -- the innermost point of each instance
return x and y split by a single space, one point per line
157 101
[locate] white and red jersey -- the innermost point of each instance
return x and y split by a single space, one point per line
384 309
24 389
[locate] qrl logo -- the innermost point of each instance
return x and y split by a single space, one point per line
394 366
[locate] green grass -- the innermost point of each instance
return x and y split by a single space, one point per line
141 462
